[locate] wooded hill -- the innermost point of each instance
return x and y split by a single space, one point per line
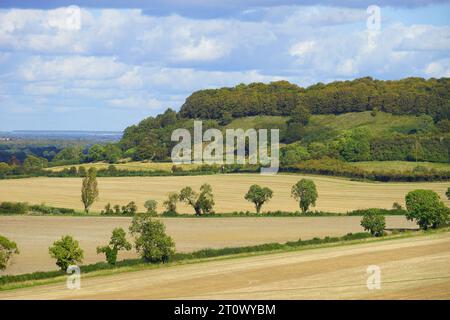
412 96
359 120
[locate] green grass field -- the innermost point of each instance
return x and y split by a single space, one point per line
379 124
399 165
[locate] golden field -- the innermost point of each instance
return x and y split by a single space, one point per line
335 194
34 235
411 268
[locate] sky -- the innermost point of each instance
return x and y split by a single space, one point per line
105 65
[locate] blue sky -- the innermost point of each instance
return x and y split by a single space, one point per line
92 67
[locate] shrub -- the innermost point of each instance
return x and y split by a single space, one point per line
374 223
7 249
130 209
66 252
448 193
426 208
397 206
151 240
42 208
385 212
118 242
108 209
117 209
171 203
305 192
14 207
151 206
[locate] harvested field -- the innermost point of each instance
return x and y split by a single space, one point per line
411 268
337 195
35 234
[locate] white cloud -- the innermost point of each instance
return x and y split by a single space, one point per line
302 48
137 102
125 59
205 49
437 69
74 67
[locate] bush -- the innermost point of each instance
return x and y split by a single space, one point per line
7 249
118 242
42 208
151 240
171 203
66 252
384 212
374 223
130 209
108 210
14 207
151 206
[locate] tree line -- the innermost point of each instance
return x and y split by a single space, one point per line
154 245
413 96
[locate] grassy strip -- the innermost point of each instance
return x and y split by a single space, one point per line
200 255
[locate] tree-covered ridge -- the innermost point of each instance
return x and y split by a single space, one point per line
413 96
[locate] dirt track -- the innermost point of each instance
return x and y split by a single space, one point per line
412 268
35 234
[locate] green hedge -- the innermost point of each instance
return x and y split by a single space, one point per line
14 207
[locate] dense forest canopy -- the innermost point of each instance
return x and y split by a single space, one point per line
413 96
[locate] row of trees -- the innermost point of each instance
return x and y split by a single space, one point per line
202 201
154 245
150 241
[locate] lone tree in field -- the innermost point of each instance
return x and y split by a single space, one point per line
118 242
171 203
151 240
448 193
7 249
151 206
426 208
305 192
66 251
258 195
89 189
202 202
374 223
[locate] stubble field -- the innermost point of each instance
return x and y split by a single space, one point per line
35 234
335 195
411 268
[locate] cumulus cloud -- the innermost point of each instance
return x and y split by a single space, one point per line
440 68
127 59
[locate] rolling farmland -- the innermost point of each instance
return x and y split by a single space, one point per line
411 268
35 234
336 195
